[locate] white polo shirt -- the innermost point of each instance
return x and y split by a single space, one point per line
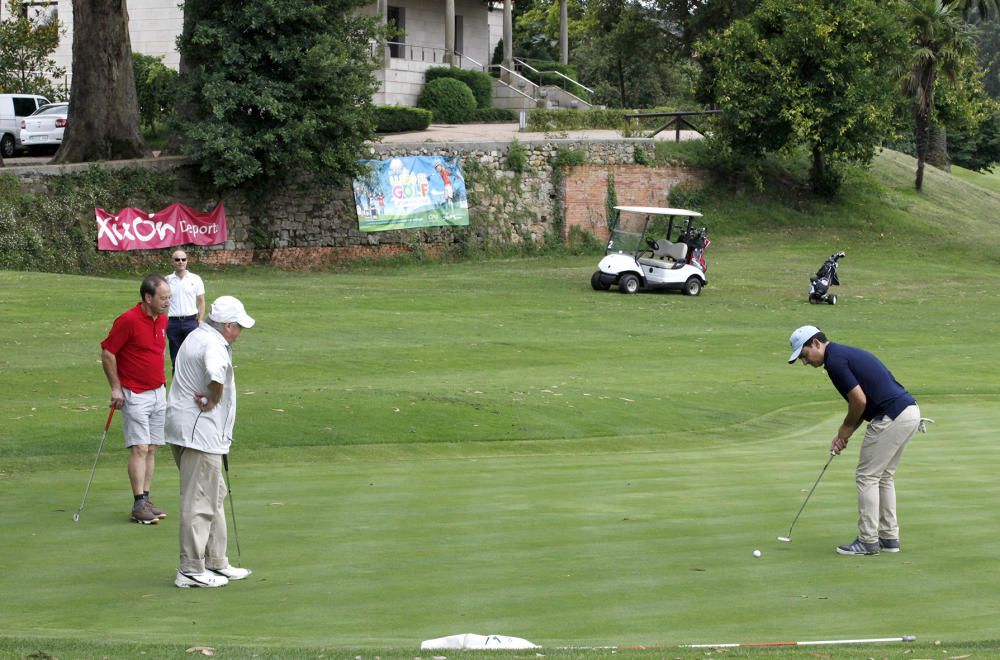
184 293
204 356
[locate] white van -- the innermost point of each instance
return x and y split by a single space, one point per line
13 108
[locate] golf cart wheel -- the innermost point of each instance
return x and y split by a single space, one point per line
597 284
832 299
692 287
628 283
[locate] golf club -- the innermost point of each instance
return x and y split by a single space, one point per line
232 507
788 539
100 448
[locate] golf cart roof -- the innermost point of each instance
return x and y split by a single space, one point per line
656 210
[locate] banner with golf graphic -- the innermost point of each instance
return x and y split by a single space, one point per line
410 192
135 229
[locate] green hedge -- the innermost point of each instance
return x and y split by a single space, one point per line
397 118
449 99
492 116
565 120
480 83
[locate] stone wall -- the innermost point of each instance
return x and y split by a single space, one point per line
304 225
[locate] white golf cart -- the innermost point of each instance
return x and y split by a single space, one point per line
640 254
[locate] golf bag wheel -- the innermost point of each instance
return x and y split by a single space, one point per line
814 300
692 287
628 283
832 299
596 283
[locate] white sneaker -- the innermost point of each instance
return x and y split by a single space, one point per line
206 579
231 572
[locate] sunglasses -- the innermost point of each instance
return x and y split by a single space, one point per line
179 259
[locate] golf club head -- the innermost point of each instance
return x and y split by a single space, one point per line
76 517
785 539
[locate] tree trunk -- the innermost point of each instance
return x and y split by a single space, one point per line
937 147
922 138
923 106
563 32
621 81
103 122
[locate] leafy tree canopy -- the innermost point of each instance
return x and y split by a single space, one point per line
27 40
276 87
155 87
812 73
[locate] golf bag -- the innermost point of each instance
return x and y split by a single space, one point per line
697 241
826 276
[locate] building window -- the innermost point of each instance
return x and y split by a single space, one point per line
40 12
396 19
459 41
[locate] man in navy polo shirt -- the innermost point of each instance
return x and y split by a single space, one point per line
873 395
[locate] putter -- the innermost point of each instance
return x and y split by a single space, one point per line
788 539
232 507
100 448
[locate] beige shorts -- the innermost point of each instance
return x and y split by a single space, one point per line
143 416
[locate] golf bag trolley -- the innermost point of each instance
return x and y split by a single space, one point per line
826 276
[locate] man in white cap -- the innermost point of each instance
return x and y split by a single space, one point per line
201 413
873 395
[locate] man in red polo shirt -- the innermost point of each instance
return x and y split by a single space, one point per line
132 356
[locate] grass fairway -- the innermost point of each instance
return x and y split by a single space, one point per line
493 447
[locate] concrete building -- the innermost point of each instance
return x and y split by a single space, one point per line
154 26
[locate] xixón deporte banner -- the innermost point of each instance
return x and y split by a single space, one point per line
135 229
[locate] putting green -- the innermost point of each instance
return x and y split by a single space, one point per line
559 542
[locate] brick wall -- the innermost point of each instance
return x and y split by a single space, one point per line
586 192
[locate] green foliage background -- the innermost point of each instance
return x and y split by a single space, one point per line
277 85
812 74
26 47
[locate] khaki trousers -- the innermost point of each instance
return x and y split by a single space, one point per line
880 452
202 526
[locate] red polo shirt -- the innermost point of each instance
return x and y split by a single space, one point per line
138 341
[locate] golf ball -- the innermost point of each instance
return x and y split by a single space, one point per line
756 553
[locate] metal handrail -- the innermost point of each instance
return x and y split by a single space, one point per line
525 64
534 87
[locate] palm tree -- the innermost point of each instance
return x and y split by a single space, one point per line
982 7
940 40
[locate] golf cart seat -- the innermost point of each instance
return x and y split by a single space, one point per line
675 251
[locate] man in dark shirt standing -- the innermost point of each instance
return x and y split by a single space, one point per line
873 395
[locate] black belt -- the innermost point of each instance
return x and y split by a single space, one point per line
184 318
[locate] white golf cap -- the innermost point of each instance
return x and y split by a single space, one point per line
227 309
799 338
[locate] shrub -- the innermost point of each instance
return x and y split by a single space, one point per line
480 83
568 158
449 99
517 157
492 115
396 118
687 196
565 120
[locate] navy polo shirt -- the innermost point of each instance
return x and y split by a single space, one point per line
849 367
